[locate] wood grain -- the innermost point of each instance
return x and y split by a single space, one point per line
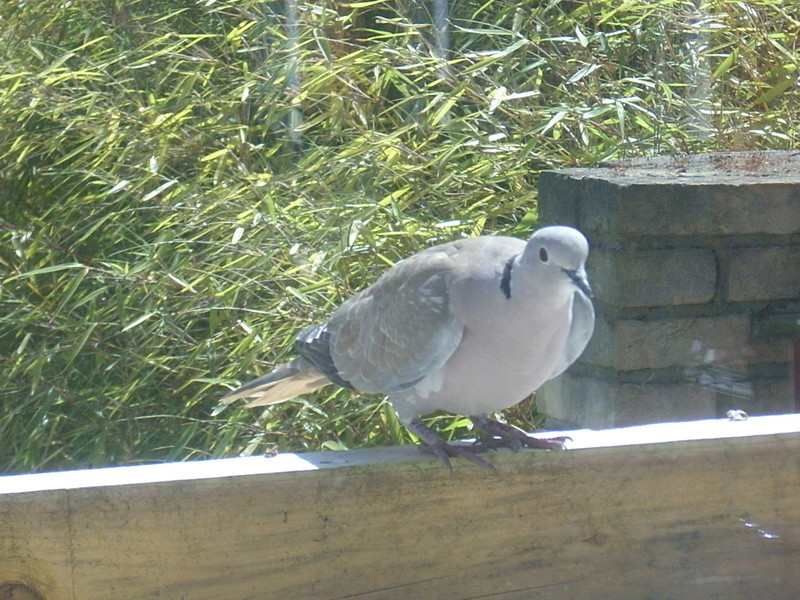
703 518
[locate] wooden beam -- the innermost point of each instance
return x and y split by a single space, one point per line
707 509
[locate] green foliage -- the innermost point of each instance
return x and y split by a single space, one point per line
184 185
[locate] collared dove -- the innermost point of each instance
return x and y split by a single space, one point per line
472 327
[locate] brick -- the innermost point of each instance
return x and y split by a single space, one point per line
631 345
628 278
757 274
589 402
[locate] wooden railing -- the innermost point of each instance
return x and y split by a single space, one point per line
704 509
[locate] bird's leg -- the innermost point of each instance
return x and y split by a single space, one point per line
444 450
513 437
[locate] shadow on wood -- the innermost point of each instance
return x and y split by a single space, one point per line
628 514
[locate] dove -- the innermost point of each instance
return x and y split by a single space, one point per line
472 327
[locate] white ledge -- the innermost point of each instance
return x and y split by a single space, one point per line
657 433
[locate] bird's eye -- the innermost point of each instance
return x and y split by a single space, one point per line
543 255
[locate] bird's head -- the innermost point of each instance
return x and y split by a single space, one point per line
557 254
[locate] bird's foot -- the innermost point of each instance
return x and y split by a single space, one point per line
508 436
444 450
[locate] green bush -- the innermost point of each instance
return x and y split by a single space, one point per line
185 185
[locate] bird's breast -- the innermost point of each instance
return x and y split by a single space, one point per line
497 364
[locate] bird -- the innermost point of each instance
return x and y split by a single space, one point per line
472 327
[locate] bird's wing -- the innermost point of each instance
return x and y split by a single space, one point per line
400 329
581 328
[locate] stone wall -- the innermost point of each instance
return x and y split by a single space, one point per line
689 255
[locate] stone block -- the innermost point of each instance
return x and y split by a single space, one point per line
630 278
589 402
757 274
632 344
707 194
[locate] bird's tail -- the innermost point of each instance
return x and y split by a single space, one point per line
294 378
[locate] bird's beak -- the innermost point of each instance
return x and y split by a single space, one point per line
578 277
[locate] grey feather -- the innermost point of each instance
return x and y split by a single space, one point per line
296 377
580 332
399 329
